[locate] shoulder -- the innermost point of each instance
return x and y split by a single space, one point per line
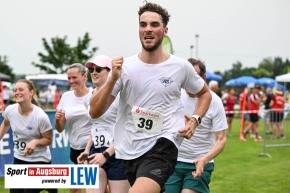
39 111
11 107
67 93
8 111
178 60
131 59
215 99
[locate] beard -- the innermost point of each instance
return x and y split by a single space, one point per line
154 47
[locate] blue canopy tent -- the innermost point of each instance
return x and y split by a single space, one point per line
265 81
241 81
213 76
231 82
245 80
270 82
277 85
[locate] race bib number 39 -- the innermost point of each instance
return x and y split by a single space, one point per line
101 139
147 120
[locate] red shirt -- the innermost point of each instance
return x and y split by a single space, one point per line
279 103
242 101
230 103
253 106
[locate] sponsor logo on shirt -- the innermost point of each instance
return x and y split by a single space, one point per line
166 81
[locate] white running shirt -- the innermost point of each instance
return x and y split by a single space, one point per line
27 128
77 118
149 106
204 136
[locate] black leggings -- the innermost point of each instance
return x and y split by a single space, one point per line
18 161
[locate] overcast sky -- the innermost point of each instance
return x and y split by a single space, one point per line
229 30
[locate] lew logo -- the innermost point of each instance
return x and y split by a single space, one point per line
166 81
29 176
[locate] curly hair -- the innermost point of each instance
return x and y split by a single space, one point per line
153 7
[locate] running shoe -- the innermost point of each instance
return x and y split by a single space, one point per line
259 138
243 138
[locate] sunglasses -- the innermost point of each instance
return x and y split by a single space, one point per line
96 68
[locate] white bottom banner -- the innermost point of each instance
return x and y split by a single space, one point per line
51 176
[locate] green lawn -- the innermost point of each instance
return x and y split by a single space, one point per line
239 169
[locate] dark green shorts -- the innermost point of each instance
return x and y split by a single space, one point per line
182 178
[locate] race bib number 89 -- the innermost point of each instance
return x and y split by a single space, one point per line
147 120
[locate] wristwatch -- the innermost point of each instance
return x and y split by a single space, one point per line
197 118
106 155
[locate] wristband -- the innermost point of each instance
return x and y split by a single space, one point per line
106 155
197 118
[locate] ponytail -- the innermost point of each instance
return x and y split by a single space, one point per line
35 102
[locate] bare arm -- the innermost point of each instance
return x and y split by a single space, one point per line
203 102
45 140
89 144
102 99
215 150
84 155
5 125
99 158
59 120
217 147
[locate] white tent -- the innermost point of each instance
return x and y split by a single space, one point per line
5 77
283 78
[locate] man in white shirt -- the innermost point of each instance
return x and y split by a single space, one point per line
150 120
195 155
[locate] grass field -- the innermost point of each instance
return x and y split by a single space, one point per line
239 169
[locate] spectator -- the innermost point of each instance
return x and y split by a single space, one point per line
254 107
7 94
277 114
42 97
230 102
57 96
49 98
214 86
245 119
224 95
266 100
